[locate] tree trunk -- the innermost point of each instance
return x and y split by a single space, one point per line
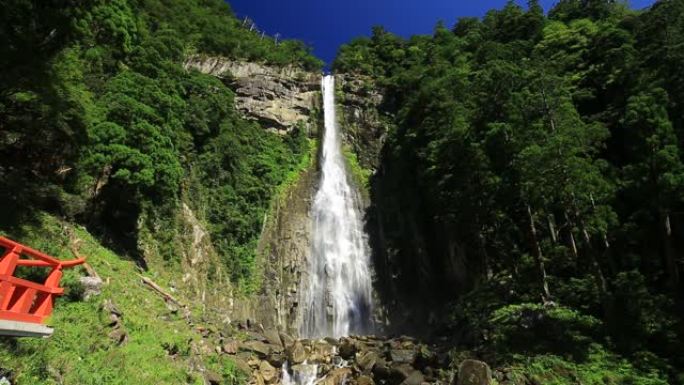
571 237
538 257
552 227
597 272
670 258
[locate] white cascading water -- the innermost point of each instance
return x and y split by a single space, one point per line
336 301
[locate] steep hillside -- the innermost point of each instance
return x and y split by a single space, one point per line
527 184
164 169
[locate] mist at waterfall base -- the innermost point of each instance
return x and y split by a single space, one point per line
337 300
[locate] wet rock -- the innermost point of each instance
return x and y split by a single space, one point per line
277 359
473 372
322 350
286 340
337 376
296 353
366 360
347 349
268 372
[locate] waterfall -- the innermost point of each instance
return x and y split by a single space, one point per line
337 298
307 375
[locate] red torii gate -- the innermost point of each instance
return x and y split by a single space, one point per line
25 305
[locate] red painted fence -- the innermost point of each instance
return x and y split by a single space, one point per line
26 301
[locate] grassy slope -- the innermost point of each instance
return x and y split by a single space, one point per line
159 349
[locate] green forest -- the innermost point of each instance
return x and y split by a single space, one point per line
544 152
527 208
101 124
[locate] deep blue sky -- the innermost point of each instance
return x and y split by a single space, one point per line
327 24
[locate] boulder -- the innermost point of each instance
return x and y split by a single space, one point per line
402 356
259 348
414 378
474 372
286 340
242 365
268 372
322 350
296 353
347 349
399 373
258 379
381 370
230 347
92 286
276 359
366 360
213 378
273 337
336 376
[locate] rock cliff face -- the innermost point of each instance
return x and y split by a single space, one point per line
407 280
362 123
284 249
279 98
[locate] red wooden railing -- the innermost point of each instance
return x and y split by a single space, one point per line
26 301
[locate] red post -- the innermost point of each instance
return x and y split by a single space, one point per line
26 301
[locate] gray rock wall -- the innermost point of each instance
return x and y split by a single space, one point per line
279 98
364 129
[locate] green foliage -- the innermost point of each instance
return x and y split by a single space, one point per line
107 127
533 329
536 158
360 175
158 345
599 368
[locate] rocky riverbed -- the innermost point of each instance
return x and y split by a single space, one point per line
356 360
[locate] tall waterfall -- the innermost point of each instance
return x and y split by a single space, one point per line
337 299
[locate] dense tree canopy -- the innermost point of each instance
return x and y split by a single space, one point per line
100 122
542 155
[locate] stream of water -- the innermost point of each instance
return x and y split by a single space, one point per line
337 297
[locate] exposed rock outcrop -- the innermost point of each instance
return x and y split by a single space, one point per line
284 248
361 119
279 98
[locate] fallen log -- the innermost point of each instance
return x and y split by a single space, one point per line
152 285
